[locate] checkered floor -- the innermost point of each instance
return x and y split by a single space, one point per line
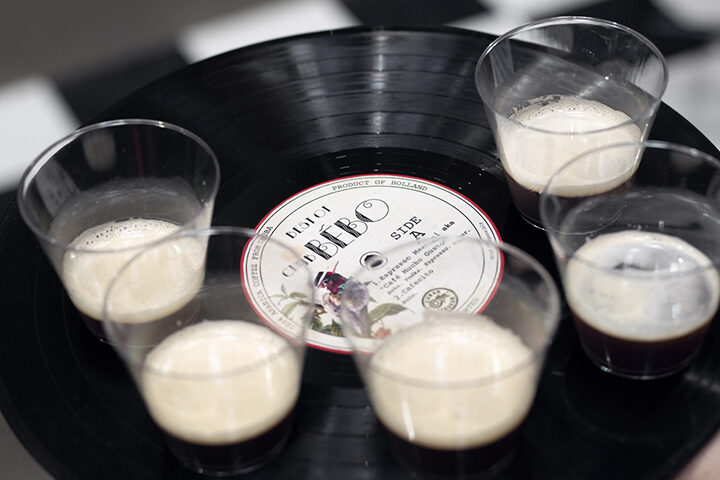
37 110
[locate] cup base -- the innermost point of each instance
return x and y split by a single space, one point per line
222 472
637 359
475 463
488 474
232 459
633 374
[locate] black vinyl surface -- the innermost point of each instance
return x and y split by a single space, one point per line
284 116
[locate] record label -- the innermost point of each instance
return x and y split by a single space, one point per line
337 227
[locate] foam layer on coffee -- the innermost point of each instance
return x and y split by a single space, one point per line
639 286
452 382
551 130
221 382
99 252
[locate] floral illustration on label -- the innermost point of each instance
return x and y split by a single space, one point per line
343 225
331 286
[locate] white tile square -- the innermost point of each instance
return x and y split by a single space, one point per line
266 21
693 88
494 24
33 115
534 8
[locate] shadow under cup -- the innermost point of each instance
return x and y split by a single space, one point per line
96 197
217 377
638 253
452 371
557 87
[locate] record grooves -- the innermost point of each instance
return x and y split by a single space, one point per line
285 116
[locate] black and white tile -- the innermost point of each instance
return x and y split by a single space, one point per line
37 110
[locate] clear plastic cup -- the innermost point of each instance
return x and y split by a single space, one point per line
97 196
218 379
557 87
452 367
638 253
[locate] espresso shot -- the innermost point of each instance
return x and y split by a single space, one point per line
548 132
217 378
641 301
556 88
97 197
639 264
458 430
452 383
206 386
99 252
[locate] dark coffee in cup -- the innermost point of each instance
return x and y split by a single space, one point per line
549 131
642 301
455 463
98 253
238 457
636 357
434 389
224 392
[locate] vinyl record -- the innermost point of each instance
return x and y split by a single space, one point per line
304 127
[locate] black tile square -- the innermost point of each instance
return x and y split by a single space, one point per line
412 12
6 198
91 92
644 17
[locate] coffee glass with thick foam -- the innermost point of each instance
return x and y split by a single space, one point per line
218 379
557 87
638 254
95 197
449 335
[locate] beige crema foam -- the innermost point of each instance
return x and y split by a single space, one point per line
667 287
98 253
452 382
221 382
552 130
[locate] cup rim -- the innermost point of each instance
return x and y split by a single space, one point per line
45 156
545 195
124 350
579 19
537 354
